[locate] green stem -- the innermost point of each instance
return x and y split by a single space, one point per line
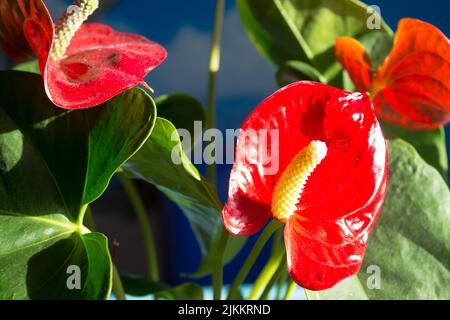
81 215
144 223
281 283
276 277
89 219
290 290
277 241
214 67
257 248
219 246
267 273
117 285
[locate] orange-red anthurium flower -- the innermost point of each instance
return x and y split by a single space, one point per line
83 65
411 88
330 184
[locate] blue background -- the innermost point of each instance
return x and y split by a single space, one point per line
184 28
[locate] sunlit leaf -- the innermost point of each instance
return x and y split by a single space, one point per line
303 30
162 162
430 144
53 163
294 71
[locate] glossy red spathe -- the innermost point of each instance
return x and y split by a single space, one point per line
326 236
411 88
98 64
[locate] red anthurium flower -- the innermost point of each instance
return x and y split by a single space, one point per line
83 65
412 86
330 184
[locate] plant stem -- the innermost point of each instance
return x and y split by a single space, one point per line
117 285
290 290
89 219
219 249
267 273
281 283
214 67
257 248
282 278
276 277
277 241
81 215
144 223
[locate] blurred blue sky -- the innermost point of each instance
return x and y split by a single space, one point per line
184 28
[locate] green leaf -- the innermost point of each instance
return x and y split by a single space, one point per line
182 110
185 291
82 149
53 163
294 71
162 162
378 45
37 267
349 289
303 30
141 287
30 66
431 145
410 243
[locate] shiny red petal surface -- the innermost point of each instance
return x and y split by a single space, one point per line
412 87
314 262
17 15
353 57
274 125
99 64
348 178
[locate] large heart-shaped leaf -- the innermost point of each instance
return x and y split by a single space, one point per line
162 162
349 289
37 256
430 144
285 30
53 163
409 249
